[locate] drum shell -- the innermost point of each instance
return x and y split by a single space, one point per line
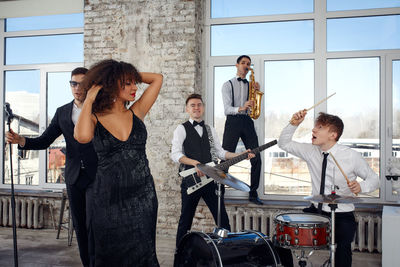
300 233
238 249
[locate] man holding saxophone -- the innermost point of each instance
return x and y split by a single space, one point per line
239 111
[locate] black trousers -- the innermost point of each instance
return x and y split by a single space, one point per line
345 229
77 204
242 126
189 205
285 255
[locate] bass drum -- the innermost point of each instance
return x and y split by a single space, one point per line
242 249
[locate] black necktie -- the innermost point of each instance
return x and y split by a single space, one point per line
243 80
198 123
322 188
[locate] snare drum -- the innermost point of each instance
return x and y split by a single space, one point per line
304 230
237 249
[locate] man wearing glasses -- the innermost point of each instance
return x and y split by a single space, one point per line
81 159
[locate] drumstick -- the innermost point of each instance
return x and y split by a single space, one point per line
341 170
323 100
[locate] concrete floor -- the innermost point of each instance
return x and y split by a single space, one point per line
40 248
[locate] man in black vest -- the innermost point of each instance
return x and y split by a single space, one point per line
238 123
81 159
191 145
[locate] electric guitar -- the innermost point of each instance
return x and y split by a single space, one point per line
194 182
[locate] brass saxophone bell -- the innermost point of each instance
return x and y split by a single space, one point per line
254 95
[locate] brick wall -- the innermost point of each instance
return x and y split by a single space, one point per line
159 36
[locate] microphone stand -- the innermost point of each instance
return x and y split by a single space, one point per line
14 227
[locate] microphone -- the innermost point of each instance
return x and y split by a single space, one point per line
8 112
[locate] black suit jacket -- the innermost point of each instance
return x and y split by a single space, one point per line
76 153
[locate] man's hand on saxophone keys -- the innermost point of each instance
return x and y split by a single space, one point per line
247 105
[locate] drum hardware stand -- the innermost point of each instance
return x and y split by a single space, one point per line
333 245
219 231
302 258
220 177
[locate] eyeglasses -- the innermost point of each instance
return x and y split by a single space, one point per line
74 84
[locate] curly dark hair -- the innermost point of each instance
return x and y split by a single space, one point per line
334 123
112 75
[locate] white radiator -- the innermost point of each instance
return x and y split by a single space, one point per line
369 232
368 235
28 212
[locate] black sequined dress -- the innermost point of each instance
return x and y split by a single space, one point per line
122 200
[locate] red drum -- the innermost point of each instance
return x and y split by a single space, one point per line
305 230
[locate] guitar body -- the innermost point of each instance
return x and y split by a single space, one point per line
193 181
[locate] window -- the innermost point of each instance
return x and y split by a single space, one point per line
335 5
288 85
305 52
236 8
39 55
365 33
396 108
395 147
22 93
262 38
58 93
44 49
356 83
45 22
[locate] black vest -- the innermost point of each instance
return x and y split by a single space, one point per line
194 146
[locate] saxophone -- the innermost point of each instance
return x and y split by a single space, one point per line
254 95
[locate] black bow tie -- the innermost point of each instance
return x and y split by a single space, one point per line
244 80
198 123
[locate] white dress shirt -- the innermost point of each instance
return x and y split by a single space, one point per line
240 96
179 137
349 160
75 113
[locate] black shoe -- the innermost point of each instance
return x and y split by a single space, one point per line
256 200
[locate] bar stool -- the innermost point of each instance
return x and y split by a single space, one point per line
68 225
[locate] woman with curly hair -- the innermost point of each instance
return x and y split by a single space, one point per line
123 204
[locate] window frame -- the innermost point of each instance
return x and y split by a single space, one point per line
320 55
389 196
43 121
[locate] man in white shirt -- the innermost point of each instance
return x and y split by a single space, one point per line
325 135
191 145
238 124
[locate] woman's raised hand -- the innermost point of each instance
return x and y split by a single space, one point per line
93 91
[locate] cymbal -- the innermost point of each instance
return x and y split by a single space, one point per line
333 199
223 178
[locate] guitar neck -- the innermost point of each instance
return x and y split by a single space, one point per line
232 161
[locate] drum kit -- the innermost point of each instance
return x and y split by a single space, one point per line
294 231
309 231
